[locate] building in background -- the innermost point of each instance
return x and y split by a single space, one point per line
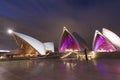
29 46
112 37
81 41
68 42
102 44
107 41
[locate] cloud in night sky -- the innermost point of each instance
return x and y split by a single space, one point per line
44 19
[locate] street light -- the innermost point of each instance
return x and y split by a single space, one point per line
10 31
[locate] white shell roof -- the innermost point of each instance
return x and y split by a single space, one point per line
49 46
4 50
113 38
96 32
36 44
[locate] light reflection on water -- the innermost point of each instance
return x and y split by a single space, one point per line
22 64
108 68
54 68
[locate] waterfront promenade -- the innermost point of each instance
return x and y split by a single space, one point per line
55 69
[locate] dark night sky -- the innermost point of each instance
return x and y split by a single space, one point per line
44 19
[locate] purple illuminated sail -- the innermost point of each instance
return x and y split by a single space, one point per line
68 42
101 44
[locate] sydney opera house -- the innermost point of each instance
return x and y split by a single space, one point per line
69 44
106 42
29 46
